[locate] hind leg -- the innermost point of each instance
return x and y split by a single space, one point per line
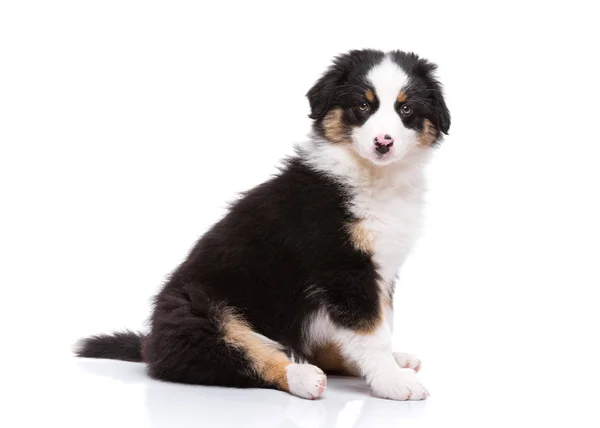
271 364
222 349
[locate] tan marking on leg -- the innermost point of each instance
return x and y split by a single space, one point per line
369 326
385 303
334 128
370 96
268 360
329 359
362 240
360 237
428 134
401 97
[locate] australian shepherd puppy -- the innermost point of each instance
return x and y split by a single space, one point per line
298 278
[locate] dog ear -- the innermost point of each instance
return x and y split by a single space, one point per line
440 113
322 95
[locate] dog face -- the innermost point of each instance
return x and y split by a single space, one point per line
382 105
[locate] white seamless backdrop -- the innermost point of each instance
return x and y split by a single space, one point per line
112 163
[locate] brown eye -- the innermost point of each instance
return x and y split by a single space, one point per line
406 110
363 107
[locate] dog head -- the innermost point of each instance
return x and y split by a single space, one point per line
383 105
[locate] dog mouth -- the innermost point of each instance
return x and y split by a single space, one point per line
383 159
382 156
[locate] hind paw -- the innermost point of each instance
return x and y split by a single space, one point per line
306 380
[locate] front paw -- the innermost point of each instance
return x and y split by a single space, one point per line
400 385
407 361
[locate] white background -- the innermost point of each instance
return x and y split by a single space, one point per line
126 127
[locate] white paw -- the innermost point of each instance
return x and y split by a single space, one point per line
399 385
306 380
407 361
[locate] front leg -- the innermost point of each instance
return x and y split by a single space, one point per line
371 353
358 320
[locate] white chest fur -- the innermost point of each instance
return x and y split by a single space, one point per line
392 218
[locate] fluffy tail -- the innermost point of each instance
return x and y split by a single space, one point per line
125 346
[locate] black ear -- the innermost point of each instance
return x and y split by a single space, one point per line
322 95
426 70
440 113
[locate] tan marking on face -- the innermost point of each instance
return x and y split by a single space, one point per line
268 361
428 134
360 237
370 96
334 128
329 359
401 97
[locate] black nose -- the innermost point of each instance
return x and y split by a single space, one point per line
383 149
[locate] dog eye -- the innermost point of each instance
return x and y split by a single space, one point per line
406 110
363 107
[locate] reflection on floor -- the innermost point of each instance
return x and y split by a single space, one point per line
347 402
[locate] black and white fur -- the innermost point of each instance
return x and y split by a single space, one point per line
299 276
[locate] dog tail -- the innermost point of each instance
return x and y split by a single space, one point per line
126 346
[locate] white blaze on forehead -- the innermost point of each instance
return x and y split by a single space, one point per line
388 79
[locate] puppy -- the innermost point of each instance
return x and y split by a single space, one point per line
298 278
